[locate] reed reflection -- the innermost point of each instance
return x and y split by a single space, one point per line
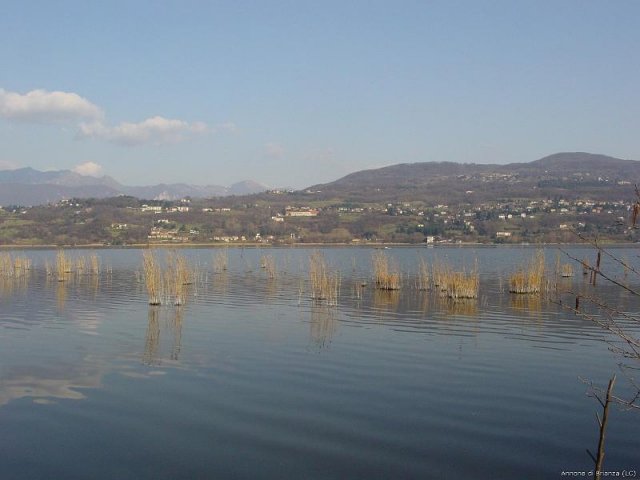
526 303
152 337
386 300
15 272
61 296
221 283
175 326
461 306
271 288
323 325
172 326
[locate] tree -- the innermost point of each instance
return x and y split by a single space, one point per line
622 324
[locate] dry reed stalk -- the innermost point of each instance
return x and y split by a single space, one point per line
424 277
269 264
385 272
153 277
437 270
529 279
221 261
47 268
81 265
625 266
6 265
585 266
177 275
94 263
63 265
21 266
324 283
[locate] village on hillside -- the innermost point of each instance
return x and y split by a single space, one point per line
286 218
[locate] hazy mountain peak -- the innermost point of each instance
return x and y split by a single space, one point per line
28 186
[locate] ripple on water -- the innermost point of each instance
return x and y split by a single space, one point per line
250 378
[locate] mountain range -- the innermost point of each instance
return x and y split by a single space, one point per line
568 174
27 186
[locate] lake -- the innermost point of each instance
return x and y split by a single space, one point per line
251 378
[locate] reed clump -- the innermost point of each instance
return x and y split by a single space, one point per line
153 277
529 279
63 266
178 276
455 284
167 282
386 273
324 283
566 270
14 266
461 284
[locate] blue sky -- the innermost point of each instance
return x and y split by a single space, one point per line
292 93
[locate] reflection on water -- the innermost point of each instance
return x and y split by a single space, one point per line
61 296
413 385
387 300
527 303
220 283
461 306
323 325
175 326
10 286
172 325
152 337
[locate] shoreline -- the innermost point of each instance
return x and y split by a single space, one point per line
212 245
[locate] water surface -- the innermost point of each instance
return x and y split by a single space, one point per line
252 379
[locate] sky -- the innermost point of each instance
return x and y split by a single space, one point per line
294 93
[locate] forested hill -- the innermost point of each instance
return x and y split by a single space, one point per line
571 175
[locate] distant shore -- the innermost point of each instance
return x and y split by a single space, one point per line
100 246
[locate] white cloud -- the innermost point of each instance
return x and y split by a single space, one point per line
41 106
155 130
90 169
7 165
274 150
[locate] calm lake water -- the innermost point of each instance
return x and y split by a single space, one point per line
251 379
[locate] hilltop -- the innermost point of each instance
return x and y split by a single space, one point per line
569 175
